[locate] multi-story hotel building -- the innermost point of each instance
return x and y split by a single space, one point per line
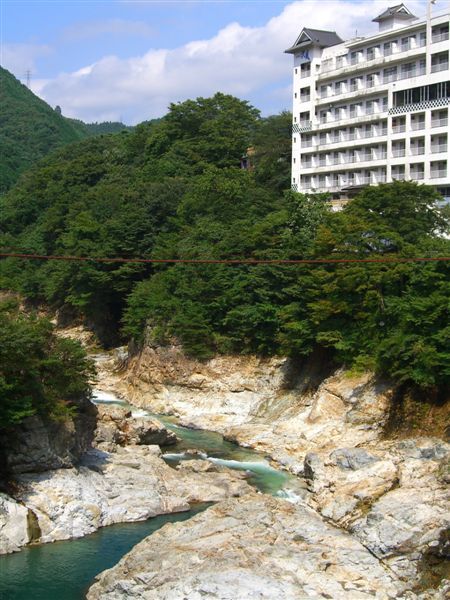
374 109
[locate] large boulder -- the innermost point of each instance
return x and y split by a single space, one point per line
14 525
117 427
256 546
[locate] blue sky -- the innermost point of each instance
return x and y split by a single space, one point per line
130 59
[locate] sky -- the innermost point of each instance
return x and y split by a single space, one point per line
129 59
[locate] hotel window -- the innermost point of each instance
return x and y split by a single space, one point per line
408 70
305 94
388 48
440 33
354 57
371 80
390 74
339 61
422 39
339 87
372 52
355 83
439 62
408 42
305 70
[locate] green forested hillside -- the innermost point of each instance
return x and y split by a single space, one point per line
30 129
174 189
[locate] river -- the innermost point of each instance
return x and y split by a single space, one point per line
64 570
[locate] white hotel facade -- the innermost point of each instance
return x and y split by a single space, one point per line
372 110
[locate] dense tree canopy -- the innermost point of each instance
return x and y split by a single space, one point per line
40 373
174 189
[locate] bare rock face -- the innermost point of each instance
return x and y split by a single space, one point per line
131 484
253 547
117 426
258 402
14 526
40 444
393 497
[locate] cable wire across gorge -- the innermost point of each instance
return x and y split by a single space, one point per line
238 261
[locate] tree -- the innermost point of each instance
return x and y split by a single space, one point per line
40 373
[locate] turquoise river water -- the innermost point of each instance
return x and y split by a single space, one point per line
65 570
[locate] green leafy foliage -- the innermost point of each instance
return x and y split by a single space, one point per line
173 189
40 373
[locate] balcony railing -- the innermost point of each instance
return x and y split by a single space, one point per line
438 148
439 67
389 78
398 176
439 122
415 125
305 98
381 155
435 174
417 175
304 74
439 37
364 180
398 128
417 151
398 153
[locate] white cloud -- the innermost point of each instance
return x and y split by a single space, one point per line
19 58
245 61
93 29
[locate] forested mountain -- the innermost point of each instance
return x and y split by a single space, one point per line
174 189
30 129
92 129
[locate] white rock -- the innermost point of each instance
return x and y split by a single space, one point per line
13 525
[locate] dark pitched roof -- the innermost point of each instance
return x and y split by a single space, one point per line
399 10
319 37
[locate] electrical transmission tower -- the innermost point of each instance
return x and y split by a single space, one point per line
28 76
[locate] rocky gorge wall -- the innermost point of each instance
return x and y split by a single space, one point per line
390 494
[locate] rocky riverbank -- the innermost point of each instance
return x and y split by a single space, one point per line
119 477
389 495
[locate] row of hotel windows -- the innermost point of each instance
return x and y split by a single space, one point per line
400 124
439 33
362 82
438 170
438 143
338 113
